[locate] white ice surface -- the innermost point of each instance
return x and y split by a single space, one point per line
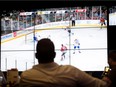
93 47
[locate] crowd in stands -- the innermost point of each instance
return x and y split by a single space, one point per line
20 22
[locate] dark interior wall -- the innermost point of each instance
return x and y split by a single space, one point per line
111 38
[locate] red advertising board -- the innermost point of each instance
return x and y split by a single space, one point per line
80 10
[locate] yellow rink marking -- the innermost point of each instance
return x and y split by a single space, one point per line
76 26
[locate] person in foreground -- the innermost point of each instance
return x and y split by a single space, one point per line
110 77
49 74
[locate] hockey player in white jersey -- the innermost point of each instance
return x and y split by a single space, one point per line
76 46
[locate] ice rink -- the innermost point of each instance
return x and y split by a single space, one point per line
20 52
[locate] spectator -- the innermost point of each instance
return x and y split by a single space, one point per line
49 74
111 76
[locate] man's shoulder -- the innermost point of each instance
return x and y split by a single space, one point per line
28 72
69 67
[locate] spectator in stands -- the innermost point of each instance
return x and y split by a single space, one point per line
49 74
110 77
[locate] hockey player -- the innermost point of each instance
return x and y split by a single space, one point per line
76 45
102 21
68 29
36 37
63 50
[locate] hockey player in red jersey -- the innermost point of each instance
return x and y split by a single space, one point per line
63 50
102 21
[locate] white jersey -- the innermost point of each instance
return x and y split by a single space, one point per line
73 18
76 41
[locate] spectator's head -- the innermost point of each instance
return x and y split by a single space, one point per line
112 59
45 51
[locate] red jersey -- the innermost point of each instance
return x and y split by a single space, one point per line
63 48
102 20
